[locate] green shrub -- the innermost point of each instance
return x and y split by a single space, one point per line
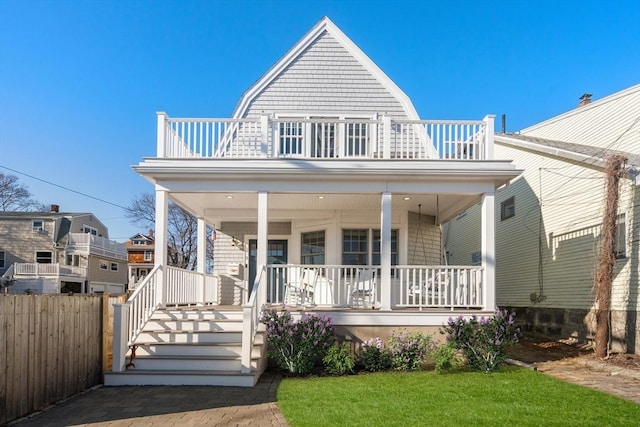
483 341
339 360
408 350
445 358
297 346
373 356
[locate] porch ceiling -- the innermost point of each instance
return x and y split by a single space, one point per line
242 206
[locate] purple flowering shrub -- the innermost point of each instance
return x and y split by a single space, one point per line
483 341
373 355
409 350
297 345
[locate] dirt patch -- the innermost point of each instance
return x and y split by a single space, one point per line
539 349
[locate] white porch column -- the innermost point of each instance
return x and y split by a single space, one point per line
261 255
488 248
385 251
201 265
162 223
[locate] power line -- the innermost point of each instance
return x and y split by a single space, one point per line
64 188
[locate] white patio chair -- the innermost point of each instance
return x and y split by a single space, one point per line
363 289
300 291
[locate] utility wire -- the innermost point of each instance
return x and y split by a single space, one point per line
64 188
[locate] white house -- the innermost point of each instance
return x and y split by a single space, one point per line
327 193
549 220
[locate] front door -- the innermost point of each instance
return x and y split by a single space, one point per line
276 254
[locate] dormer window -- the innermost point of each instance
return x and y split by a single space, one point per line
89 230
139 242
37 225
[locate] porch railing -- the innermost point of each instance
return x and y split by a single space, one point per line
379 138
97 245
448 287
162 286
37 269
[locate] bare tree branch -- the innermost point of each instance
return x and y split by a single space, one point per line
15 196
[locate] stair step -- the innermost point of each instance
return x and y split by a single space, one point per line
197 314
194 325
194 349
183 377
193 336
191 363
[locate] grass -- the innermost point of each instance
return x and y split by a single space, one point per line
513 396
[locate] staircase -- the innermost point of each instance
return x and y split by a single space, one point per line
192 346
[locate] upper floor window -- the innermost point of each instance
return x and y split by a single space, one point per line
44 257
2 259
114 266
104 265
89 230
508 208
620 237
148 255
73 260
313 247
37 225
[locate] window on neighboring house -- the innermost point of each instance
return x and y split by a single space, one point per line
357 251
313 247
148 255
73 260
2 259
114 266
89 230
37 225
620 237
508 208
139 242
104 265
44 257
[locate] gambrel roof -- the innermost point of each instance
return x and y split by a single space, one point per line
324 60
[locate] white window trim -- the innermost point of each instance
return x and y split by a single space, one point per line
35 256
112 264
37 229
89 230
148 255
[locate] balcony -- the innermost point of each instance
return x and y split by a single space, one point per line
32 269
96 245
315 139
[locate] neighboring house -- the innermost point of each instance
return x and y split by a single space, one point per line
549 220
327 193
140 254
54 252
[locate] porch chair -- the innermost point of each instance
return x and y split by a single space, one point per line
363 289
301 290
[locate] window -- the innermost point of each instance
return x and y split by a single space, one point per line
148 255
44 257
2 259
376 247
508 208
73 260
620 237
356 249
114 266
313 248
37 225
89 230
139 242
104 265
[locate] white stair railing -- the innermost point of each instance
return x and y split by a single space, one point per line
251 319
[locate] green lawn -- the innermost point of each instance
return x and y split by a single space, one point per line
511 397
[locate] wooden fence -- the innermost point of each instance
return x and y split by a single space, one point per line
51 347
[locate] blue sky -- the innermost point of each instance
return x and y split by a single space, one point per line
80 81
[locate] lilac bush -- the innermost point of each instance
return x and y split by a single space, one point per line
373 355
409 350
297 345
483 341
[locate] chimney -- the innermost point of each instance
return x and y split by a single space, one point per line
55 208
585 99
151 233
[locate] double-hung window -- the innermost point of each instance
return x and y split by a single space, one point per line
44 257
362 247
313 248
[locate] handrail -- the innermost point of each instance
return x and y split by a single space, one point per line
250 320
143 302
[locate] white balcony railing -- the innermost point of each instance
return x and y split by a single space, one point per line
96 245
346 286
382 138
53 270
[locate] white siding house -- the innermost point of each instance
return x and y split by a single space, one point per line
546 251
327 193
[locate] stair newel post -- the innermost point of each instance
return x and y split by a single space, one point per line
120 336
247 334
